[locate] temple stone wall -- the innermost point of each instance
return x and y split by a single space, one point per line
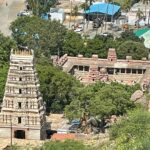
34 134
23 109
5 132
93 69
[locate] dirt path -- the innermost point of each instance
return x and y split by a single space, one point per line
9 13
19 142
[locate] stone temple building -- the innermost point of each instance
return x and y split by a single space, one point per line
111 69
23 111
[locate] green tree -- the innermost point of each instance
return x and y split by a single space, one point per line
129 35
6 44
125 4
65 145
57 87
45 37
101 100
73 44
134 49
75 12
133 131
84 6
40 35
41 6
3 77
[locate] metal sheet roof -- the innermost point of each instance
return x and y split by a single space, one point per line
105 8
146 37
140 32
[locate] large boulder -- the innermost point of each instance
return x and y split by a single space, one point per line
139 97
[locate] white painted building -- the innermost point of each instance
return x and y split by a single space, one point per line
132 14
57 14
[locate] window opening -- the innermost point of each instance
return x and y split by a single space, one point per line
19 120
20 91
19 105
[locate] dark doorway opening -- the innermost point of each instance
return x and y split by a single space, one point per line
19 134
20 91
19 105
49 133
19 120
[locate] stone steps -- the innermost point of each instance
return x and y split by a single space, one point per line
146 75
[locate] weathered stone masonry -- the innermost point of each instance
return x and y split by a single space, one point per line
23 110
90 70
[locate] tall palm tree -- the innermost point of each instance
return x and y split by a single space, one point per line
139 15
34 4
88 4
106 14
145 2
70 12
75 12
148 18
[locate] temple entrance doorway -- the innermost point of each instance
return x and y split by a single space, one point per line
19 134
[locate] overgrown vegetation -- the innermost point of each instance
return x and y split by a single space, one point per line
65 145
101 100
51 38
63 93
133 131
6 44
55 145
57 87
39 6
60 89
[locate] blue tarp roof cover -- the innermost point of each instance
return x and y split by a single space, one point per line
107 8
44 16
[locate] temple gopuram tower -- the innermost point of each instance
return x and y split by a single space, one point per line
23 112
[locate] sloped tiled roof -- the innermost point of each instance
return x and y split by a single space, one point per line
61 136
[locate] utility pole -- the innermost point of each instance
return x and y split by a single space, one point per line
11 132
148 17
106 17
70 12
112 17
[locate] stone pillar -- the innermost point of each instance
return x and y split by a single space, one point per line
83 68
125 70
114 71
112 56
142 71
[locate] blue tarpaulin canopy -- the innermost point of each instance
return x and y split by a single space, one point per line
44 16
105 8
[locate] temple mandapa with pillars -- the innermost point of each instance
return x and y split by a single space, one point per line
23 111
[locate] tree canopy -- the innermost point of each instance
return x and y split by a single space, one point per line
3 77
101 100
57 87
133 131
6 44
45 37
126 4
65 145
39 6
51 38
